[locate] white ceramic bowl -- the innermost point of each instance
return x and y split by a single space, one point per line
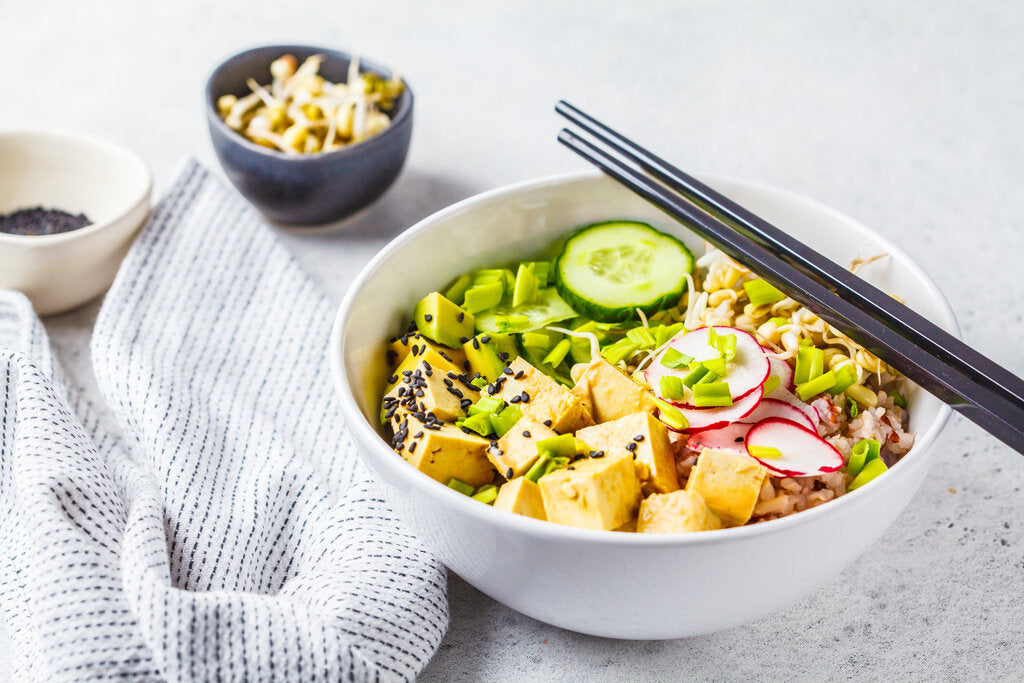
600 582
79 174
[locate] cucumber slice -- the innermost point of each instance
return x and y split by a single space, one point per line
545 308
608 270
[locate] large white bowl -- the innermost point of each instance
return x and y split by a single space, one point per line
605 583
76 173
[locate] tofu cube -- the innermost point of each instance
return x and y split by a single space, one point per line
676 512
610 394
400 347
595 493
729 483
444 453
429 392
522 497
545 400
517 449
643 436
413 363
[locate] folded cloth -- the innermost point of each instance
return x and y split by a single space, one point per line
210 521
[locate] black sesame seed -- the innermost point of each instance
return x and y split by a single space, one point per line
459 317
509 473
466 403
547 423
392 379
465 365
502 355
418 435
519 375
415 350
445 356
412 446
476 343
419 393
738 439
515 399
406 373
491 390
485 340
570 467
638 438
428 317
448 382
463 340
507 370
631 447
431 426
526 433
525 397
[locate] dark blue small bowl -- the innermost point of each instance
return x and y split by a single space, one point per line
308 189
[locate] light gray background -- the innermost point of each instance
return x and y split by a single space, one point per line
906 115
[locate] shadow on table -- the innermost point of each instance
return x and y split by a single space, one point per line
414 196
487 640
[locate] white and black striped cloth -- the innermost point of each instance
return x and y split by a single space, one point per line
210 521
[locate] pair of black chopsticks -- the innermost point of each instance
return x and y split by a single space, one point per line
969 382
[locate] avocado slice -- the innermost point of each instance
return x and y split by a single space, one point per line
439 319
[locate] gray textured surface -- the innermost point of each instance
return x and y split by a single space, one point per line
905 115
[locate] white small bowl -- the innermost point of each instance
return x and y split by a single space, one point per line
78 174
605 583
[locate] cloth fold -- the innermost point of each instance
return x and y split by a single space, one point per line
210 519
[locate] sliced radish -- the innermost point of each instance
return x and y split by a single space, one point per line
783 370
731 439
747 371
804 453
773 407
786 396
716 418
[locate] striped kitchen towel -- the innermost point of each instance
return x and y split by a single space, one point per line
208 520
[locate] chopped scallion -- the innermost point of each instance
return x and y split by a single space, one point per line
771 384
561 446
526 285
675 359
539 468
460 486
671 415
479 423
671 387
505 420
762 292
864 451
481 297
558 353
716 394
486 404
486 494
619 351
694 375
851 408
764 452
812 388
897 399
457 290
642 337
716 365
846 376
871 470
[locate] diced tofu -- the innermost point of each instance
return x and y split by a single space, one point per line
595 493
425 392
445 453
417 344
676 512
643 436
517 450
522 497
412 363
609 394
729 483
545 400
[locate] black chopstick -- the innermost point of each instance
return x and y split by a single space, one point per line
957 374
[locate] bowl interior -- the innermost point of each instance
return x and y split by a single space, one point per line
230 79
510 224
71 172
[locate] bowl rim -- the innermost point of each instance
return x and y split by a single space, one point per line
535 528
210 101
140 197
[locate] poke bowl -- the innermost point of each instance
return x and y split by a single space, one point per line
602 581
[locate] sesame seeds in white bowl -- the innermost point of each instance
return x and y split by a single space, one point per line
77 174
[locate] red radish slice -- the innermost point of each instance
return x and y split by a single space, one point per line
716 418
746 372
786 396
773 407
783 370
804 453
731 439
